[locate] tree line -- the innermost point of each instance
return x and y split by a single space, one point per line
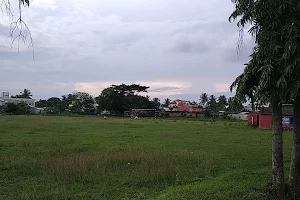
231 104
116 99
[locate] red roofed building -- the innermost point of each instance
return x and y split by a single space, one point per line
183 107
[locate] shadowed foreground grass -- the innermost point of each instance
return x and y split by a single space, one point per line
92 158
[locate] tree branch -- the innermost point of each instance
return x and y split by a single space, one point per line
19 30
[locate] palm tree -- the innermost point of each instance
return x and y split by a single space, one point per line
222 102
26 94
235 104
203 99
167 101
212 102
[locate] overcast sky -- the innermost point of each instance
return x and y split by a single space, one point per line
180 48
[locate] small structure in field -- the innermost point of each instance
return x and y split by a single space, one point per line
263 118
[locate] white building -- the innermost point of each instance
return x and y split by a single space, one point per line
5 98
241 116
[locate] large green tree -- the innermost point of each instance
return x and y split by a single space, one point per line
83 103
277 31
290 33
120 98
262 78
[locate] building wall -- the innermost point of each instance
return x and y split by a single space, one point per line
265 121
187 114
253 119
240 116
182 107
198 109
29 102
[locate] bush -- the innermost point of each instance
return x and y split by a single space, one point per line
52 110
2 110
16 109
207 114
162 114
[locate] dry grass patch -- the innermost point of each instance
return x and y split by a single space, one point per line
142 166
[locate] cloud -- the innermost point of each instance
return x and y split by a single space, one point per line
158 89
43 3
184 43
222 87
176 47
162 89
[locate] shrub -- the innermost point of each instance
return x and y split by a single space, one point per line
16 109
207 114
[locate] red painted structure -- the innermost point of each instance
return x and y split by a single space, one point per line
182 107
263 119
188 108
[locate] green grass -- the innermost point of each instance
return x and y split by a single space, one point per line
92 158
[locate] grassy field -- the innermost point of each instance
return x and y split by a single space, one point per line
92 158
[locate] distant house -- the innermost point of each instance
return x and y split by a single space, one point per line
181 108
263 118
184 107
5 98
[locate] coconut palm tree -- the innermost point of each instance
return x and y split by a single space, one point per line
222 102
167 102
26 94
204 99
212 103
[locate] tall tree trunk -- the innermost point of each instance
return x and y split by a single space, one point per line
277 149
294 178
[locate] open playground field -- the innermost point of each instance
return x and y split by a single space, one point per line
92 158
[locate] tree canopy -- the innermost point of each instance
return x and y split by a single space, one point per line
272 72
119 98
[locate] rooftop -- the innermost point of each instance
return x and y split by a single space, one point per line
287 110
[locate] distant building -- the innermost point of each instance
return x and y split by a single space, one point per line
184 107
241 116
5 98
